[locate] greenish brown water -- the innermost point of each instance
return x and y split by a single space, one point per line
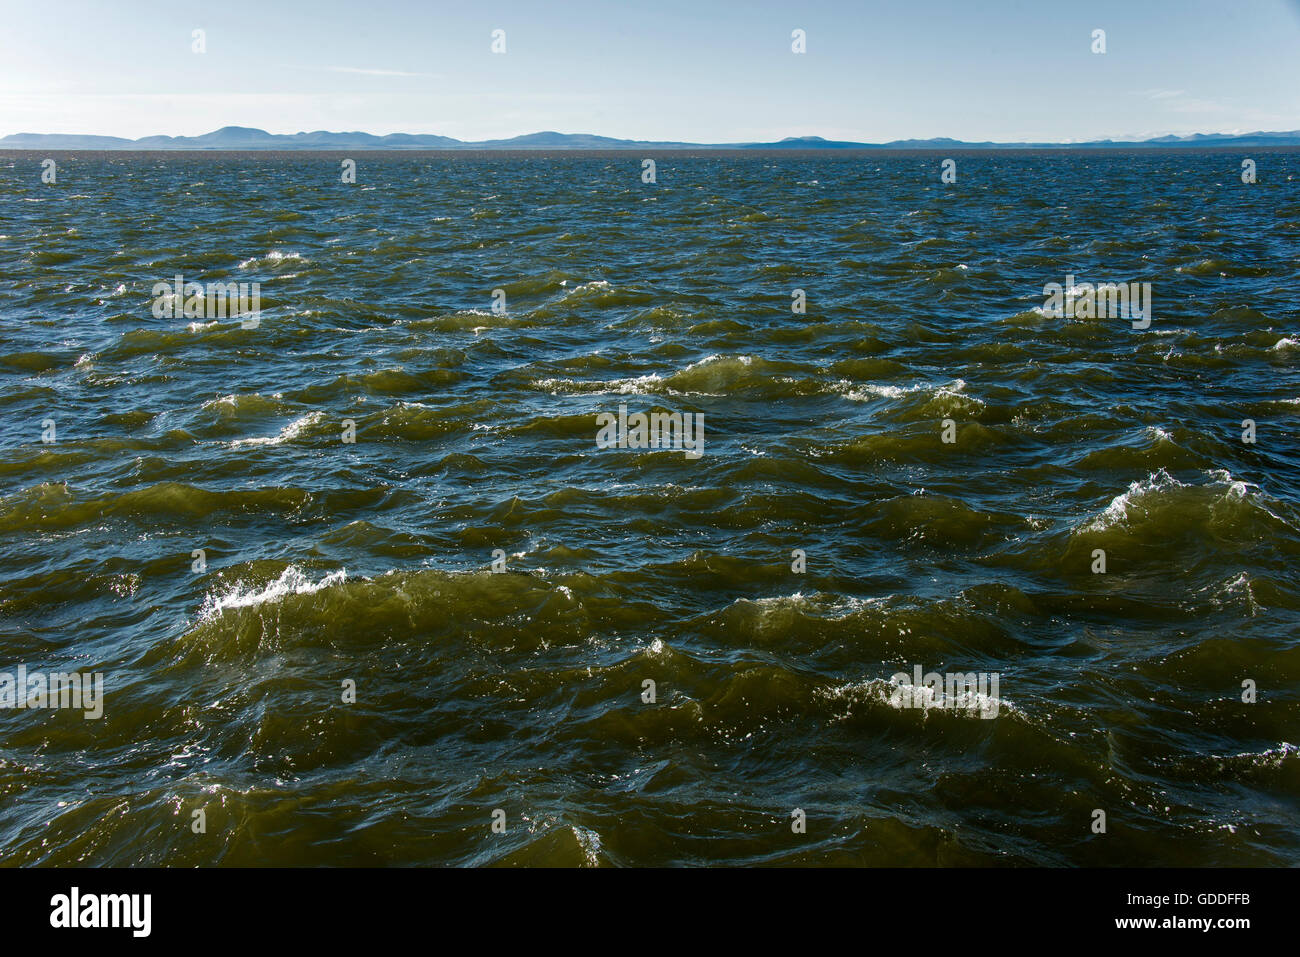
370 561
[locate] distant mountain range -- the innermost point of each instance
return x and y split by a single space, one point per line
245 138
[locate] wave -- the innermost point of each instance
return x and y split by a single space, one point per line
292 581
294 430
964 705
1160 495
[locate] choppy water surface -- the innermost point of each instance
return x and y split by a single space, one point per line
475 431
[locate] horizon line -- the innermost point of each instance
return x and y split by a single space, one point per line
316 139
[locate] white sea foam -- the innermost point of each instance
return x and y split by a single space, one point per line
872 390
288 433
1161 482
589 841
1118 509
596 285
274 255
637 385
866 393
819 604
292 581
966 704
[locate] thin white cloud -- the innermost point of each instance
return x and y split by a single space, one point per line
1177 101
365 72
1199 106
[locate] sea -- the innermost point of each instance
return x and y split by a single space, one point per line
742 508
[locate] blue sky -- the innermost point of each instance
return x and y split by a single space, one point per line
701 71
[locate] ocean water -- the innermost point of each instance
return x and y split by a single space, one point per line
327 564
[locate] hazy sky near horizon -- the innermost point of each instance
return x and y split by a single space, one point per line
692 70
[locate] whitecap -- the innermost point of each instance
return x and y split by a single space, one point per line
1117 511
290 431
274 255
291 582
964 704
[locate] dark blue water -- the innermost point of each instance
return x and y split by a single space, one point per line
325 561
